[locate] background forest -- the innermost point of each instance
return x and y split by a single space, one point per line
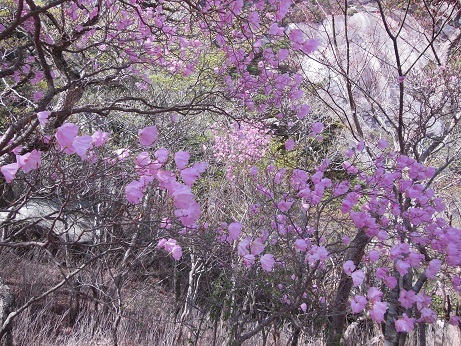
229 172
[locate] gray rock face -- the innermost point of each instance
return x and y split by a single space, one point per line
371 66
68 225
6 305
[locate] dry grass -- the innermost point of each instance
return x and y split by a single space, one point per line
150 316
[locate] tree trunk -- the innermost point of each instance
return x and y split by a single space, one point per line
6 305
295 336
422 334
391 336
355 254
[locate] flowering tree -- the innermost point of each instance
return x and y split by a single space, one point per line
393 84
378 223
85 119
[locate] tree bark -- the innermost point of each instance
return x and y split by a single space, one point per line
6 305
355 254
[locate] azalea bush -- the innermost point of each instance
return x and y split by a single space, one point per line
379 224
85 120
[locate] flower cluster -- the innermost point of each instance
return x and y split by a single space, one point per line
241 144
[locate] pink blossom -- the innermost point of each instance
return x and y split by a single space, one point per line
188 216
257 246
148 136
305 193
161 155
253 18
350 168
176 252
346 240
439 205
17 150
382 235
290 144
99 138
454 320
9 171
382 144
317 128
404 324
399 249
456 282
235 229
303 307
161 243
373 255
134 192
296 94
282 54
427 315
284 206
348 267
283 9
29 161
190 175
415 258
296 36
94 12
200 166
317 253
279 175
248 260
310 46
358 304
242 247
422 300
350 200
304 110
377 311
169 244
357 277
407 298
43 117
267 262
341 188
181 158
275 30
37 96
374 294
81 145
390 281
402 267
65 136
433 268
143 159
300 177
300 245
182 196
